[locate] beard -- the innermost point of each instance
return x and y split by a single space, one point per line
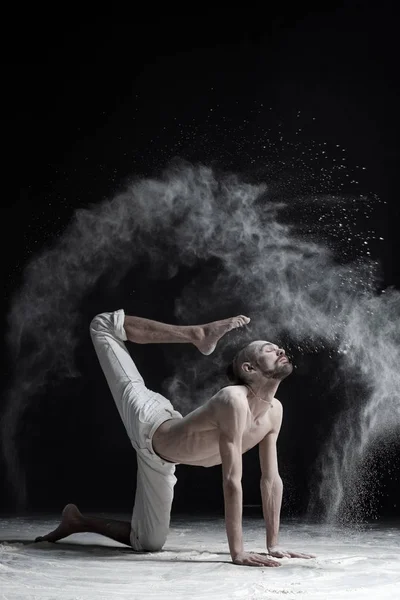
279 372
283 371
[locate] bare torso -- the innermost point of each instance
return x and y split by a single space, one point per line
194 440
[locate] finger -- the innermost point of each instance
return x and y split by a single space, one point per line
264 562
260 556
253 563
270 563
258 563
301 555
275 555
257 560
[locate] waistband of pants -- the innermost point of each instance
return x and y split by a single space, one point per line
165 415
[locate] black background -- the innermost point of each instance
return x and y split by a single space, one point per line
88 104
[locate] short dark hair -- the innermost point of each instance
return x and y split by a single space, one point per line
233 373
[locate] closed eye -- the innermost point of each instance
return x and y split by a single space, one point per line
269 347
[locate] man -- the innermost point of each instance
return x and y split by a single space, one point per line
234 420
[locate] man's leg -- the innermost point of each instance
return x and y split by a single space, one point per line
151 513
73 521
204 337
121 372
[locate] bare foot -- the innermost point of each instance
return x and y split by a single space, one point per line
71 522
211 333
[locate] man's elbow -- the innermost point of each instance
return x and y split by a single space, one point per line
270 481
232 484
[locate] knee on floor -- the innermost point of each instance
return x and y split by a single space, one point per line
152 542
153 547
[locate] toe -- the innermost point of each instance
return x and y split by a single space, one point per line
242 320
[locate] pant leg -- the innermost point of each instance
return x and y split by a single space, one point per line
153 501
140 410
123 378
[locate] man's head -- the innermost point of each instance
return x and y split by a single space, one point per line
259 360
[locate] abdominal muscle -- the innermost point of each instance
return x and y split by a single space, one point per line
190 448
194 439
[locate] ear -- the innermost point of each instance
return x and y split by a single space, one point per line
247 367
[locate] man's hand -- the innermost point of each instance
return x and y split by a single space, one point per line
251 559
278 553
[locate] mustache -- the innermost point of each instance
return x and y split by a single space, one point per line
284 356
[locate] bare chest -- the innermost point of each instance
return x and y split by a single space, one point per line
256 430
195 438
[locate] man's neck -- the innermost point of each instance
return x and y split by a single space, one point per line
263 390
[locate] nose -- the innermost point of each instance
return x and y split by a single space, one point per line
281 352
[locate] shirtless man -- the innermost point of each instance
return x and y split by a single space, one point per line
234 420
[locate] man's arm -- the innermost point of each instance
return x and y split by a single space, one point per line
231 417
271 482
232 422
272 489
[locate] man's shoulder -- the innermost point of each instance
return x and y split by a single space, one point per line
231 396
277 414
230 408
233 391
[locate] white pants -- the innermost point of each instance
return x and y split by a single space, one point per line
142 412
